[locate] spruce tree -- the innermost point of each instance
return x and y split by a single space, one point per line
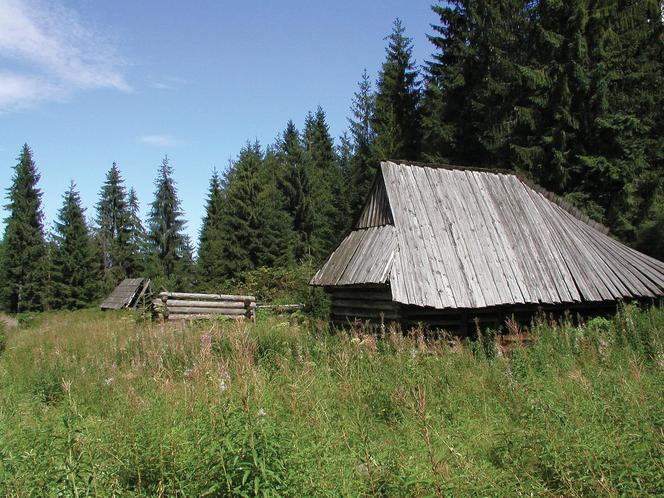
275 237
112 230
396 118
73 275
474 91
346 188
24 262
294 182
363 164
137 250
240 221
210 266
326 185
185 268
167 243
630 133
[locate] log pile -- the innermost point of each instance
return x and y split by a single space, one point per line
189 306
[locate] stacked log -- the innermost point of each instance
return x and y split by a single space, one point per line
188 306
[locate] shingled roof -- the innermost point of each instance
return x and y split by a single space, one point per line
449 237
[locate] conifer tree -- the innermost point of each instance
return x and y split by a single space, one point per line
241 215
166 240
568 92
275 237
629 133
137 249
210 265
73 275
346 189
326 185
396 118
295 184
112 229
185 274
474 81
363 164
24 262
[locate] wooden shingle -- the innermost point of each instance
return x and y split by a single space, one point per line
451 237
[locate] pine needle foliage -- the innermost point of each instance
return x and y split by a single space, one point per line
137 249
112 227
24 262
166 239
210 265
363 163
74 276
326 185
294 182
396 117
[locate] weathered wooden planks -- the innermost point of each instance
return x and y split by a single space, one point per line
205 297
468 239
183 305
127 294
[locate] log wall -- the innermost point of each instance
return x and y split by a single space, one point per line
375 305
188 306
367 303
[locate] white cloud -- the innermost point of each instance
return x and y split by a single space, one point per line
160 141
53 54
169 83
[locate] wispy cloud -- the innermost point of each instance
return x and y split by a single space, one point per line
52 54
160 140
169 83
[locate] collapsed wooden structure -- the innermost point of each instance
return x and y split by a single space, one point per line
188 306
453 247
130 293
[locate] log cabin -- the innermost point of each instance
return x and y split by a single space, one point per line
457 248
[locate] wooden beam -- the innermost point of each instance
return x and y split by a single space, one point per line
205 297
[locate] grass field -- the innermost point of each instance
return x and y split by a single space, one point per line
103 404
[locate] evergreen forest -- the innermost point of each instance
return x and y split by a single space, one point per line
568 94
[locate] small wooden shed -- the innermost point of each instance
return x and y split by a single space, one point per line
453 246
129 293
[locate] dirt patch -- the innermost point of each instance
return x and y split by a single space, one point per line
8 321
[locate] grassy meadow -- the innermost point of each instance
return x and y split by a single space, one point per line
105 404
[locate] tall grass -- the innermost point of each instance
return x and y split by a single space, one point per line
98 404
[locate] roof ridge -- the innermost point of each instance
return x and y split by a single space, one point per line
553 197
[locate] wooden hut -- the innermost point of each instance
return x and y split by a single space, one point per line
453 247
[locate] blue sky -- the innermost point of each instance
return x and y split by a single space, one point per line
88 82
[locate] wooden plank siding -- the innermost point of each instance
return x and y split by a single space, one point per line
451 238
376 211
126 295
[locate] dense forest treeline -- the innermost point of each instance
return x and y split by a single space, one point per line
570 94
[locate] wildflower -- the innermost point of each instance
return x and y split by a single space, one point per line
260 413
206 340
224 381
